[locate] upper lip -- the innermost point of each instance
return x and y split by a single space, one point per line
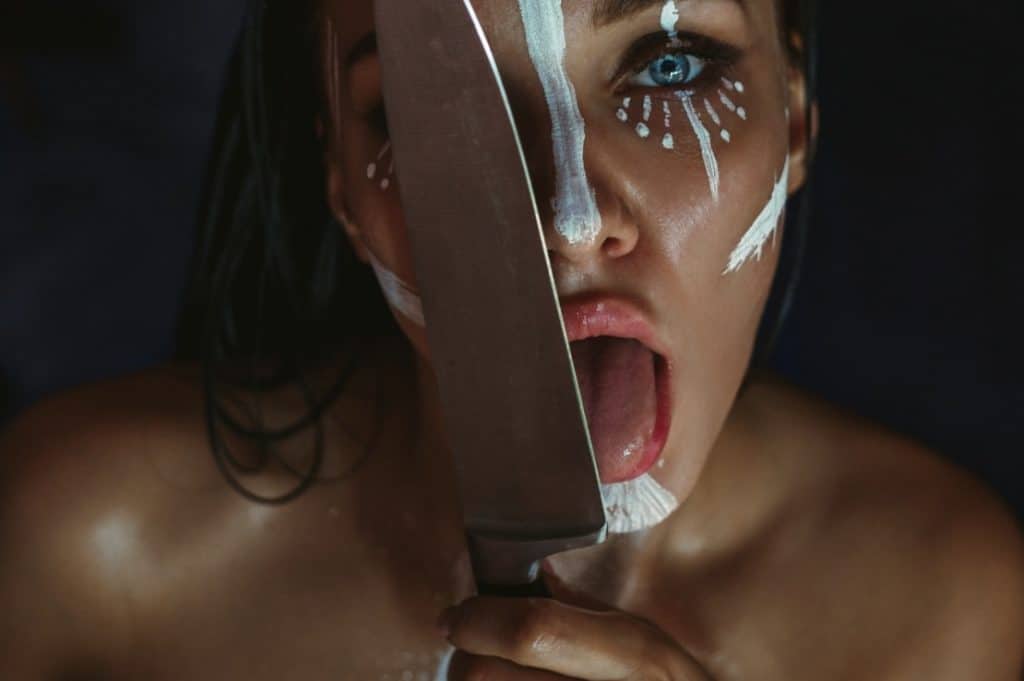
609 315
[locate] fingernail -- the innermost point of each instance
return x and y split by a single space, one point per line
445 621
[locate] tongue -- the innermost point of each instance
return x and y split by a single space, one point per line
616 379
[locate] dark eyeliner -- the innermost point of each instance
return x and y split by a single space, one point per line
645 50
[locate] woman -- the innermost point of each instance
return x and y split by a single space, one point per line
786 539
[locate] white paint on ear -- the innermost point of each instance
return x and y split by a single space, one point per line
704 137
576 215
637 504
765 226
398 293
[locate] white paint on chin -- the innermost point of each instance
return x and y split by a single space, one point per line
398 293
576 215
765 226
637 504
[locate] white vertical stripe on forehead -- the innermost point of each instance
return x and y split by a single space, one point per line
576 215
707 151
670 18
765 225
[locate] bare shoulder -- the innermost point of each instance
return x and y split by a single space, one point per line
925 561
87 479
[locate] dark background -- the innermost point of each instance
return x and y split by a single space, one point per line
909 312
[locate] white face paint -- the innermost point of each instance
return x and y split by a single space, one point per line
374 171
705 138
576 215
637 504
707 151
765 225
398 293
670 18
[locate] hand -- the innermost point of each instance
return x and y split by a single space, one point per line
539 639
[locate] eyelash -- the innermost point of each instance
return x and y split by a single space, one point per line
717 57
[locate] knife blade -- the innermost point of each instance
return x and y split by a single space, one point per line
526 473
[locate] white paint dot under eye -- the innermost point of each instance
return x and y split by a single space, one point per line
740 87
626 102
726 101
647 107
668 114
622 115
728 84
371 171
668 141
742 113
385 183
643 130
726 135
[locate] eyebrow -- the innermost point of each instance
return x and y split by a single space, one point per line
366 47
611 11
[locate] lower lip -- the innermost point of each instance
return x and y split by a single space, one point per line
662 422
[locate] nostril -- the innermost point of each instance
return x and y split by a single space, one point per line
615 247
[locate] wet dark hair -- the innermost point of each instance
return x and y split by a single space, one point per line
275 291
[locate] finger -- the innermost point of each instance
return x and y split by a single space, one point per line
466 667
547 634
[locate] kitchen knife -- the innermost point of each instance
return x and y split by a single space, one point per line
527 477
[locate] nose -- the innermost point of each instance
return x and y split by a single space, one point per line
605 231
614 236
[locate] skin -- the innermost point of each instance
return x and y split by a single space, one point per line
810 545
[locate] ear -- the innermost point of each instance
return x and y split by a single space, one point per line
335 190
802 141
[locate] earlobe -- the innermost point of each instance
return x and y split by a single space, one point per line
335 191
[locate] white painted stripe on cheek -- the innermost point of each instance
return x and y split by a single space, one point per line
765 225
576 215
398 293
704 137
712 112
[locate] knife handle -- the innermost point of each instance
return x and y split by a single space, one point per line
537 589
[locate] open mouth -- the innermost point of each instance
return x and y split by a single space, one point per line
625 387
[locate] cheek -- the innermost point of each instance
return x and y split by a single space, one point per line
685 121
709 164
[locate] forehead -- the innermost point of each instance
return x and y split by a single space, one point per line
353 19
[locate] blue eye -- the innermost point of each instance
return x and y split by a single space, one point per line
670 70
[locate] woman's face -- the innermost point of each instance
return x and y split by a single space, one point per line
692 117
